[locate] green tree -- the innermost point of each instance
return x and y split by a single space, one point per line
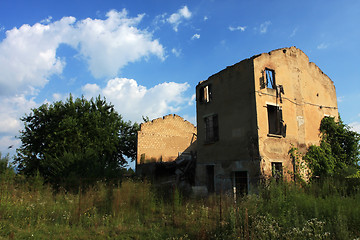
75 139
338 151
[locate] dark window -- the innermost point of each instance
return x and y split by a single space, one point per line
270 78
277 170
276 123
210 178
240 183
205 94
211 128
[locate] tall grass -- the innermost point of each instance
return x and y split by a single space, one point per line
134 210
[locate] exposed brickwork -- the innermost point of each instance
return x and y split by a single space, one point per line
163 138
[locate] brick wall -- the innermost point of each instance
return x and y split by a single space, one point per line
163 138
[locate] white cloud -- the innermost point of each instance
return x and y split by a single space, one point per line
340 99
185 12
58 97
133 101
294 32
91 90
158 20
205 18
238 28
322 46
264 27
195 36
28 54
8 144
46 20
189 118
108 45
355 126
176 18
11 110
176 52
192 100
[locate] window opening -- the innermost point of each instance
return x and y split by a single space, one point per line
240 183
211 128
205 94
277 170
270 78
210 178
276 123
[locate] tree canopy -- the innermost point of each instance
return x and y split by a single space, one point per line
76 138
339 149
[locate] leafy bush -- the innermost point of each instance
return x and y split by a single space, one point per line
339 150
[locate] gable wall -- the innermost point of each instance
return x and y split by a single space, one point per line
163 138
309 96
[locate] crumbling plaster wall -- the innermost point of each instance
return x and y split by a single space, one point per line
309 96
163 138
233 101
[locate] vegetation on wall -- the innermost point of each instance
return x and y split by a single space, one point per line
338 152
75 139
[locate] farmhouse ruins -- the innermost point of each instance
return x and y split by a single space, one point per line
249 115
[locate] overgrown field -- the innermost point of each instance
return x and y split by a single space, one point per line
133 210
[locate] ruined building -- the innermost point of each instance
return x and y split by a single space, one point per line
166 149
250 114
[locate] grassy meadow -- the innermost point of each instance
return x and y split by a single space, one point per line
135 210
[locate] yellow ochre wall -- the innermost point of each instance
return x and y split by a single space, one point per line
309 96
163 138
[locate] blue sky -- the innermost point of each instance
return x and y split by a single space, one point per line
146 57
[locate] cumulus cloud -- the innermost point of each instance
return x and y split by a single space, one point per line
8 144
58 97
264 27
238 28
108 45
91 90
195 36
205 18
176 18
11 110
28 54
192 100
134 101
355 126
